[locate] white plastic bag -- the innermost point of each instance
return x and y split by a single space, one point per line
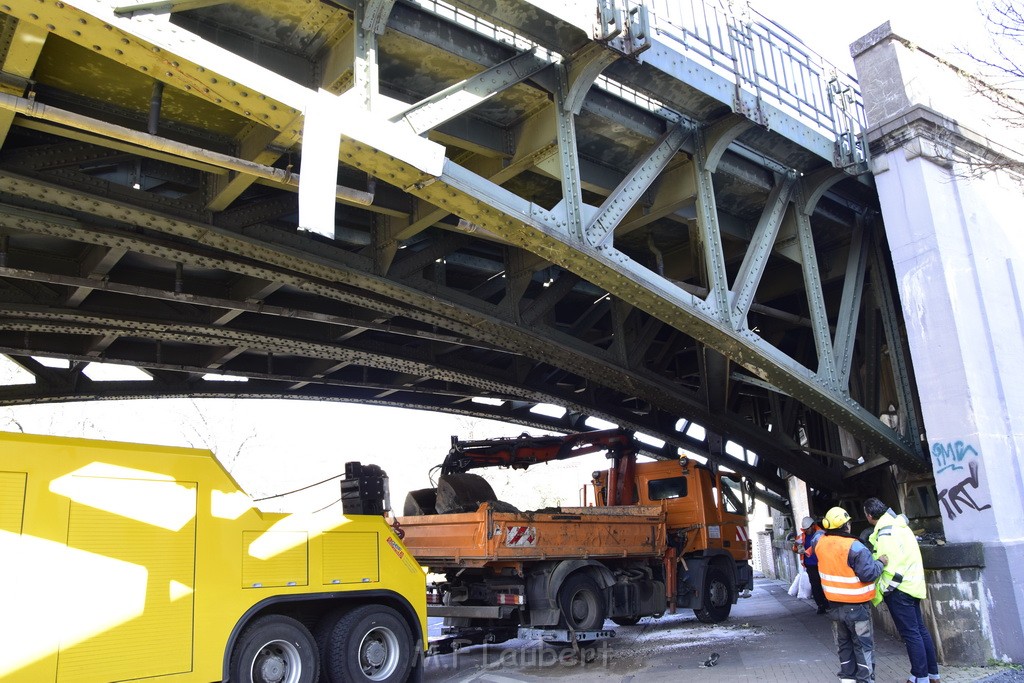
794 587
801 586
805 586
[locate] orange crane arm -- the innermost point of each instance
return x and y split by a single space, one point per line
522 451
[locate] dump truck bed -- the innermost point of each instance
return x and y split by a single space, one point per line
474 539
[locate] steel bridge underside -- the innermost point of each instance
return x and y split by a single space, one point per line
528 209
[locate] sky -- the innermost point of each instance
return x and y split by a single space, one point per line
945 27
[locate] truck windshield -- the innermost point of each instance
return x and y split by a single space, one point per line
663 489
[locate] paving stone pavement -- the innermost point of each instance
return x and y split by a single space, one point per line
770 637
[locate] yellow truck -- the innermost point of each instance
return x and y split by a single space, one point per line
121 562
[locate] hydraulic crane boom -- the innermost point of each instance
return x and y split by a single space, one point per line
520 452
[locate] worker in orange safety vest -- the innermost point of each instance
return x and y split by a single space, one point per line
848 574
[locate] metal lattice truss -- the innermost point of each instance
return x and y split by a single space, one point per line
427 205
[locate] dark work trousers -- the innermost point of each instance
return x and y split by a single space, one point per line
855 640
906 614
816 591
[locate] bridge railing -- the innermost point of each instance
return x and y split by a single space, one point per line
765 60
744 47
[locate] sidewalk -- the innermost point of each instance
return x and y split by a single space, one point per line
771 637
798 645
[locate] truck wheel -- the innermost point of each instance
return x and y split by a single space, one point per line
367 643
462 493
581 603
626 621
718 597
420 502
275 649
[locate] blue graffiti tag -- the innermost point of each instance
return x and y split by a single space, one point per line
948 456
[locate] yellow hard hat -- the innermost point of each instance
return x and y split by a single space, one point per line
835 518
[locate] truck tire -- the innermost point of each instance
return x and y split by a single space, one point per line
367 643
626 621
420 502
581 603
462 493
718 597
275 649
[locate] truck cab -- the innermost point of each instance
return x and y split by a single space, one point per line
706 527
708 508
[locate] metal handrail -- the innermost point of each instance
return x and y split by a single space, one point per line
745 47
767 61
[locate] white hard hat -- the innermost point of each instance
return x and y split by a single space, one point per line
807 523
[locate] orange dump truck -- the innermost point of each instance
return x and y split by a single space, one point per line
660 535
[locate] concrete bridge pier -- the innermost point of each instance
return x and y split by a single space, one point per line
952 201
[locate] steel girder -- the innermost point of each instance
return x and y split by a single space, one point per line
526 238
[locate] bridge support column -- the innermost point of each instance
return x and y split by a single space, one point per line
958 255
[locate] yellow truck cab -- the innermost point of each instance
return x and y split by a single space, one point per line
126 562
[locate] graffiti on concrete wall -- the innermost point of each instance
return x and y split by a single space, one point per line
959 497
950 456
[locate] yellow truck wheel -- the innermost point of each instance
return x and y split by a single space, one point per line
367 643
275 649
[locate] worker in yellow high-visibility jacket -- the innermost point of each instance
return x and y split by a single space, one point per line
902 586
848 574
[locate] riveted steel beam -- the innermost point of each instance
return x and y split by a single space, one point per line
527 224
161 6
21 43
247 249
634 185
208 301
570 210
584 67
756 258
884 297
462 97
850 306
826 372
376 15
712 252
